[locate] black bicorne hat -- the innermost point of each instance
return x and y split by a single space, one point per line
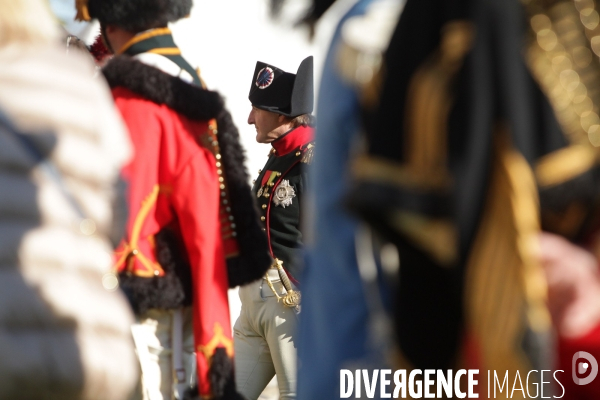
134 15
281 92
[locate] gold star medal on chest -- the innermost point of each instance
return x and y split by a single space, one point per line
284 193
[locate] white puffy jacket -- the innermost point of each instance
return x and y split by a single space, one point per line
62 334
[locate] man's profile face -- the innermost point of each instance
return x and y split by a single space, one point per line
265 123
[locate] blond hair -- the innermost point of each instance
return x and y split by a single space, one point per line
27 22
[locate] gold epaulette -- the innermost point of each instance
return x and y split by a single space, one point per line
82 10
307 156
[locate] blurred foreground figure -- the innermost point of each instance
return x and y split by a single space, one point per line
190 205
481 126
62 334
265 333
335 330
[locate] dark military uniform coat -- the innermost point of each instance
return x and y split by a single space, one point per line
279 189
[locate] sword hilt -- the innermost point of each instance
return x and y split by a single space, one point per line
293 297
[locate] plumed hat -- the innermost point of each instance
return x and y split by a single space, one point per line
281 92
133 15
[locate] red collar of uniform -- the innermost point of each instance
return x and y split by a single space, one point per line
293 139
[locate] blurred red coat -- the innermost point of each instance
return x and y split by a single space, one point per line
567 348
173 182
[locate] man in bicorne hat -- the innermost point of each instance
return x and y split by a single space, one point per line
190 206
265 332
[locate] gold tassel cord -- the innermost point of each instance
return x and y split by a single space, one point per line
505 293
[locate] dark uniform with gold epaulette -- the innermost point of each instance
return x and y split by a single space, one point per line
279 189
268 320
281 182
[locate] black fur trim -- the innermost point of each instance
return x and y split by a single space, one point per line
139 15
220 375
254 259
200 104
161 88
171 291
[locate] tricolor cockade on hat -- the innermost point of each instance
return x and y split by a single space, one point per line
133 15
282 92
